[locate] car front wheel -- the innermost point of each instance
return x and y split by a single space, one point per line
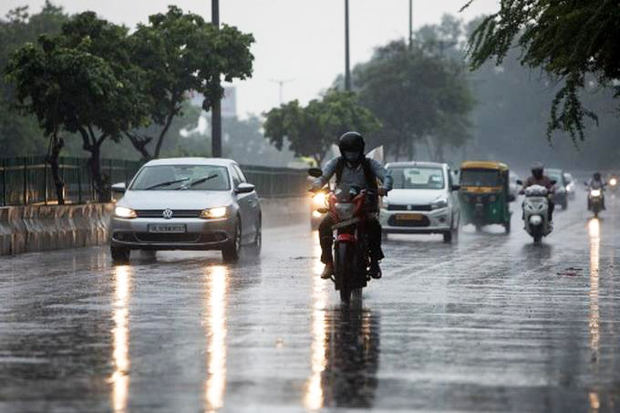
230 251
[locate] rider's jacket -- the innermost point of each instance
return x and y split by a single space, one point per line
595 184
544 181
361 175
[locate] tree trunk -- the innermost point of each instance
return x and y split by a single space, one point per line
160 139
140 143
99 182
56 145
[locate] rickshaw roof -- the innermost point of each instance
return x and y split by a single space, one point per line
484 165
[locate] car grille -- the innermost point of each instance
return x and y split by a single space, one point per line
176 213
412 207
393 222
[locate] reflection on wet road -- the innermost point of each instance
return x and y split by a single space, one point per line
492 323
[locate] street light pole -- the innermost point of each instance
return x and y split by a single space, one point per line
410 23
216 108
347 70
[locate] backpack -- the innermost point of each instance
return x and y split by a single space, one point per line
371 179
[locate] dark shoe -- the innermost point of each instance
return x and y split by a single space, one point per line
328 271
375 270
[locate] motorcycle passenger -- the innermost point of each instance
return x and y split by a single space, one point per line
354 168
539 178
596 182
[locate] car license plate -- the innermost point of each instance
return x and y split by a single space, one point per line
409 217
168 228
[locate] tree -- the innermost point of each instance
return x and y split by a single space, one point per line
181 53
80 81
19 133
312 129
567 39
420 97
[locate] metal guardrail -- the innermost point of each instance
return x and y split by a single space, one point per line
28 180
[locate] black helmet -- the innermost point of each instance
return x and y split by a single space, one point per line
597 176
537 170
351 146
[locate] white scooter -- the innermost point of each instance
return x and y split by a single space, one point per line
536 212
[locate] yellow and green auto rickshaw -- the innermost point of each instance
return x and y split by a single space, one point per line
484 194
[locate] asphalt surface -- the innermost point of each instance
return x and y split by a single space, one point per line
492 323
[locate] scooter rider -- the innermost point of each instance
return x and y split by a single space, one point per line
596 182
538 178
353 168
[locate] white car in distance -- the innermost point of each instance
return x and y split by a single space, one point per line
423 201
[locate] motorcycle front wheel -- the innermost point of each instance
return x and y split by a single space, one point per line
344 267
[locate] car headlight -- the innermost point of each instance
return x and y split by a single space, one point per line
210 213
441 203
123 212
318 200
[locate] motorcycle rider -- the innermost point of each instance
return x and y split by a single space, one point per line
596 182
539 178
352 167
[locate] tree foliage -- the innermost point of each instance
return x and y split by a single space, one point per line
567 39
311 130
180 53
419 95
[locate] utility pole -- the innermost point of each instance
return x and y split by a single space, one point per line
347 69
216 108
410 23
281 83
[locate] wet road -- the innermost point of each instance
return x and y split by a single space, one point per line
492 323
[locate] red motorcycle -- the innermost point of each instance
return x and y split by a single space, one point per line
351 255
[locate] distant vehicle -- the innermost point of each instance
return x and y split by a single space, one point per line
423 200
536 212
318 201
186 204
570 185
560 195
513 185
613 181
484 194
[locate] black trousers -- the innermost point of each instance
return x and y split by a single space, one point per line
326 237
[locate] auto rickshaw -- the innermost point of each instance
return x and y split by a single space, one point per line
484 194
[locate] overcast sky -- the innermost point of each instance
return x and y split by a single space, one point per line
301 41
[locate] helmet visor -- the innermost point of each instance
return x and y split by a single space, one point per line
351 156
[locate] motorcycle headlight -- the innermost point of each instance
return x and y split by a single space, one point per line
210 213
318 200
123 212
595 192
441 203
613 182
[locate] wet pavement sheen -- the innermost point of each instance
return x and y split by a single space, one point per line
492 323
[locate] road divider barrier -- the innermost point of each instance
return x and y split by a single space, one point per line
47 227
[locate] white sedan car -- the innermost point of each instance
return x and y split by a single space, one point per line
186 204
423 201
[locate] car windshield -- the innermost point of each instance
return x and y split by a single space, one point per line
182 177
555 175
480 177
417 177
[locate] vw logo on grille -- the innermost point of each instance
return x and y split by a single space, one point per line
167 213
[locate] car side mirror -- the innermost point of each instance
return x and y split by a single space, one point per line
119 187
520 182
455 187
244 188
315 172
